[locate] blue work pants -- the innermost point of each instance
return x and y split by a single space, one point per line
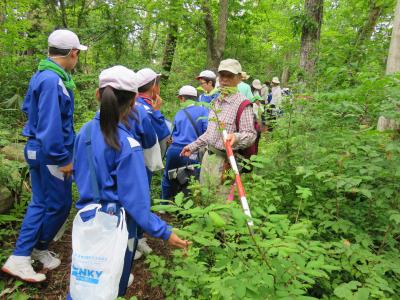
49 206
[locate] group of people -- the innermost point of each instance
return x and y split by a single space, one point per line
113 157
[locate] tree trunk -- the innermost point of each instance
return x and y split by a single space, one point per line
145 42
215 42
169 50
365 32
393 62
285 76
285 72
63 14
393 66
171 39
310 36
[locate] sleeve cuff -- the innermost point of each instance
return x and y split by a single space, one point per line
192 147
65 161
167 233
237 137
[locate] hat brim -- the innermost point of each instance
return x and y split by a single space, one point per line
82 47
149 80
258 87
228 70
276 82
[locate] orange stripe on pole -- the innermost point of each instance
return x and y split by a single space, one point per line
238 180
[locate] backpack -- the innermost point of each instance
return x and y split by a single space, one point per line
252 149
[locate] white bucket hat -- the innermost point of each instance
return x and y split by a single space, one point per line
146 75
65 39
187 90
230 65
245 76
275 80
119 78
256 84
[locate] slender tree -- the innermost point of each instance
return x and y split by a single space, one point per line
215 41
310 35
393 62
393 65
171 39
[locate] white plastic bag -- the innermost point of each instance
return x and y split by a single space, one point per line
98 250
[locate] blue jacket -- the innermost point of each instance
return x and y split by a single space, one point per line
209 97
141 127
121 177
49 107
183 133
157 119
142 130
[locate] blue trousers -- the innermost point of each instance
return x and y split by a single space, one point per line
173 160
49 206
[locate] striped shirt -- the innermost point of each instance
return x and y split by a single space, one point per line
226 108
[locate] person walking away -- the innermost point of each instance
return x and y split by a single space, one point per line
224 111
244 88
149 98
275 103
276 93
49 107
207 80
265 91
118 163
256 91
189 124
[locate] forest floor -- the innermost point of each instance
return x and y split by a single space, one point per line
57 284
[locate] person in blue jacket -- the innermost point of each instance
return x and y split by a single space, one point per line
49 107
149 98
119 165
207 80
189 124
143 131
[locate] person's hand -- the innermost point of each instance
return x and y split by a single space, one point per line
157 103
177 242
67 170
231 138
186 151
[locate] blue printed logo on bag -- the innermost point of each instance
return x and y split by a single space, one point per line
86 275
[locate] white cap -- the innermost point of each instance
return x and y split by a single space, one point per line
207 74
65 39
275 80
230 65
187 90
256 84
119 78
145 76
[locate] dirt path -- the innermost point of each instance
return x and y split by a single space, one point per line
57 283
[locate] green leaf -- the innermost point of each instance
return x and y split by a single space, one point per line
395 218
216 219
179 199
362 294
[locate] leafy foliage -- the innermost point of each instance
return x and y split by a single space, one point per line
325 202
